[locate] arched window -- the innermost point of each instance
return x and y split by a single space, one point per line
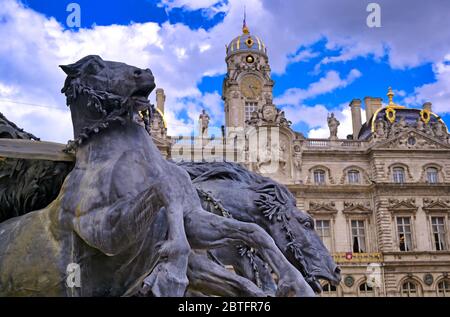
319 177
410 289
366 290
443 288
432 175
329 290
354 177
398 174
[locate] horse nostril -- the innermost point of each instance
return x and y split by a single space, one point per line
337 270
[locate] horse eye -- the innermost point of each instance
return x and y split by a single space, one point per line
137 73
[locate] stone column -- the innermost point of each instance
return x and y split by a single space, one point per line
355 106
160 99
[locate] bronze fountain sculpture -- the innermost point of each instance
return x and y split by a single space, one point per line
137 224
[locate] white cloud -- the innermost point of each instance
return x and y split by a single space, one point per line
439 91
303 56
33 45
209 7
331 81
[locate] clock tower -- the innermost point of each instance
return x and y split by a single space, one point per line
247 85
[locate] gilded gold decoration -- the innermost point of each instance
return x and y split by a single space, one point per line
162 116
249 42
249 59
425 115
390 95
259 42
390 109
390 114
245 29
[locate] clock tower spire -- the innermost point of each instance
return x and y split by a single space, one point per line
247 85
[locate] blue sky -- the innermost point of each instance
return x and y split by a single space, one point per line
322 55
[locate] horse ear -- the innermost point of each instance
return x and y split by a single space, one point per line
70 70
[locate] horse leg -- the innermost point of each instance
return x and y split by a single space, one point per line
209 231
169 277
210 278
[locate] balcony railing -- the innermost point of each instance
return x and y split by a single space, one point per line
334 144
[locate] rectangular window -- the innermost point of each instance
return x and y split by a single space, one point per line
319 177
353 177
358 236
324 232
438 228
249 108
432 175
399 175
404 233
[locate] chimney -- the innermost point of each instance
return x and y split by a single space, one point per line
427 106
160 99
372 105
355 106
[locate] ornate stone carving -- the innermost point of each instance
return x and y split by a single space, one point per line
440 131
438 204
412 140
380 131
434 129
268 115
428 279
322 207
349 280
351 207
408 204
156 126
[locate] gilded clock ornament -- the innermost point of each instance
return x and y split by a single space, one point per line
390 114
249 59
249 42
425 116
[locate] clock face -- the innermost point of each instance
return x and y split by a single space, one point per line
251 87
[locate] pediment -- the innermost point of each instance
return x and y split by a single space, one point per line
402 205
322 208
356 208
412 139
436 205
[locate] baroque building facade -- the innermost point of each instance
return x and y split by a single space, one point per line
380 198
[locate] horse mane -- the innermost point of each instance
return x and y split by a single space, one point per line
200 172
